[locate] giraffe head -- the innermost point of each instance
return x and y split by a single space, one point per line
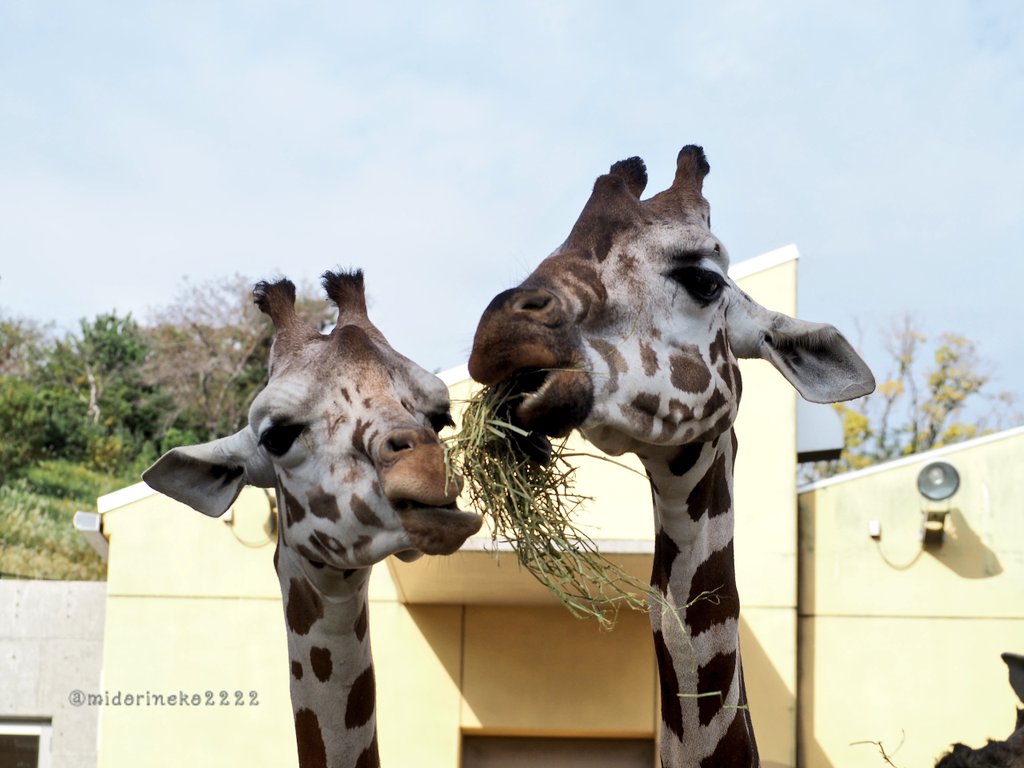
346 430
630 330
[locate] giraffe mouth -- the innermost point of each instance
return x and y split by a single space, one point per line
437 530
551 402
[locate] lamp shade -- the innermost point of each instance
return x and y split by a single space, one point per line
938 481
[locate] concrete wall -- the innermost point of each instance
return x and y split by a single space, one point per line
51 645
901 644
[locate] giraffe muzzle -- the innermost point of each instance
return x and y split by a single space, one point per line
414 478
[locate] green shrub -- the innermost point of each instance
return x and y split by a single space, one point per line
38 539
67 480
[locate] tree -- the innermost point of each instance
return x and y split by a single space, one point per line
209 354
101 409
918 406
20 342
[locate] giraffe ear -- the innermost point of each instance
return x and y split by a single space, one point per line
815 358
209 476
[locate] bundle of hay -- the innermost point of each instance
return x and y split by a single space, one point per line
524 485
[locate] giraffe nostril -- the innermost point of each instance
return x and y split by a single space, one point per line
403 440
532 301
398 445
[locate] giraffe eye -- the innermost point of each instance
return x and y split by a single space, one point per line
703 284
279 438
439 421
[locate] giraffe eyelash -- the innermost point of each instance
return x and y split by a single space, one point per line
440 420
279 438
702 284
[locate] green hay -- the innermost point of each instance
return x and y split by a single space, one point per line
531 507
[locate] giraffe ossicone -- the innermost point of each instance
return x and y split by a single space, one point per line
630 332
346 431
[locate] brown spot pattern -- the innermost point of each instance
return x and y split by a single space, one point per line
359 435
364 514
719 349
362 543
671 706
736 747
613 359
603 245
714 403
665 553
717 576
304 606
369 758
361 700
679 411
685 459
710 495
323 504
296 670
293 509
725 374
720 427
312 752
587 278
714 677
307 553
325 541
362 624
688 371
641 411
648 359
320 661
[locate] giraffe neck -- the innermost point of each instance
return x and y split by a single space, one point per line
332 681
696 628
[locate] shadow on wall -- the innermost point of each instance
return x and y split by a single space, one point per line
963 551
772 703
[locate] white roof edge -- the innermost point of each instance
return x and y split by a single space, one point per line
123 496
737 271
764 261
606 546
917 458
454 375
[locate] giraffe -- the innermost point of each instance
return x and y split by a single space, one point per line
346 432
629 332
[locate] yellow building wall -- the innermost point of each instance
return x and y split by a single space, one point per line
901 644
766 535
194 605
191 609
541 672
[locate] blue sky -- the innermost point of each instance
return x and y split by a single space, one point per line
446 148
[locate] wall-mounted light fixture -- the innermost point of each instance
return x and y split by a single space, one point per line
937 483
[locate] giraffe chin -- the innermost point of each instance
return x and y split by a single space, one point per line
438 530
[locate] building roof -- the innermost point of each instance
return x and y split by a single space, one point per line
916 458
